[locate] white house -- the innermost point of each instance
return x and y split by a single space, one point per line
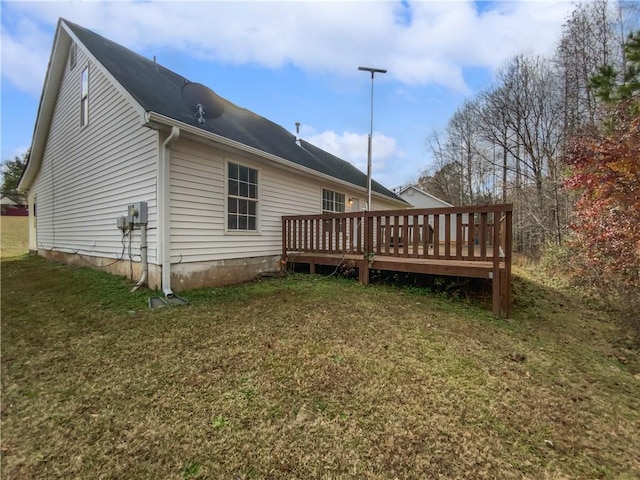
115 128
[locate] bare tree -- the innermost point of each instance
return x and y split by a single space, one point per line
508 142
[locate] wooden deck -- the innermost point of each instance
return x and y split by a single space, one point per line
473 241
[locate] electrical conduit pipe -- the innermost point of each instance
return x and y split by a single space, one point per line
143 258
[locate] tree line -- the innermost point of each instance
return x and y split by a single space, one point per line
509 143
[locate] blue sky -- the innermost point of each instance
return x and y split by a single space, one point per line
298 62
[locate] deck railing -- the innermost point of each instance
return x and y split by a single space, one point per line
472 241
478 233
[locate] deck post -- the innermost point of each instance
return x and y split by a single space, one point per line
283 260
504 294
508 241
495 297
496 265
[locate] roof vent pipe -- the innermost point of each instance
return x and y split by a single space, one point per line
200 113
298 134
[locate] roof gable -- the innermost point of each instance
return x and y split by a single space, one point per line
158 89
404 192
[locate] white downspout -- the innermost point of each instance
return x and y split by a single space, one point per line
164 226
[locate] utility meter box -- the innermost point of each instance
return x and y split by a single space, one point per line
137 213
121 223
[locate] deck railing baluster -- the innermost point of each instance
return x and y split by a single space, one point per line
343 227
294 235
459 236
358 229
405 235
447 237
387 235
396 235
472 235
483 236
426 232
416 236
436 236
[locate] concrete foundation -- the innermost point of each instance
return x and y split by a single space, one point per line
184 276
120 268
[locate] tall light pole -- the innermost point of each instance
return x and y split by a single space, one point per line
373 71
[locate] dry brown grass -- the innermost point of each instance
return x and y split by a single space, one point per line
14 236
309 378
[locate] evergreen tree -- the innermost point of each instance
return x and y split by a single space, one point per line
11 173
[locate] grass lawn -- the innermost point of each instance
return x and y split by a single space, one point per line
14 240
309 377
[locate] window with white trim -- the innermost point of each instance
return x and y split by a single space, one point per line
84 97
332 202
242 198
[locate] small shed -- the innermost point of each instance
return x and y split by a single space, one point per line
11 208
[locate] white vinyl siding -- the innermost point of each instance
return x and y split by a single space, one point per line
198 215
90 174
384 204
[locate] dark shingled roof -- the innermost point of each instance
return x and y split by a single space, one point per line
158 89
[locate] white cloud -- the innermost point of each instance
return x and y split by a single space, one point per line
353 147
25 56
387 156
426 43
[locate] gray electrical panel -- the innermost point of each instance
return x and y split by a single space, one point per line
137 213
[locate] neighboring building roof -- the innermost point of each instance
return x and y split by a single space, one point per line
419 190
158 89
7 201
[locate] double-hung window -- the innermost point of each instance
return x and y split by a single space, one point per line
332 202
242 198
84 97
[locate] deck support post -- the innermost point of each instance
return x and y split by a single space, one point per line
504 294
285 225
312 268
496 266
496 292
363 272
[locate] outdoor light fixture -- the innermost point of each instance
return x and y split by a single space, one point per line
373 72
